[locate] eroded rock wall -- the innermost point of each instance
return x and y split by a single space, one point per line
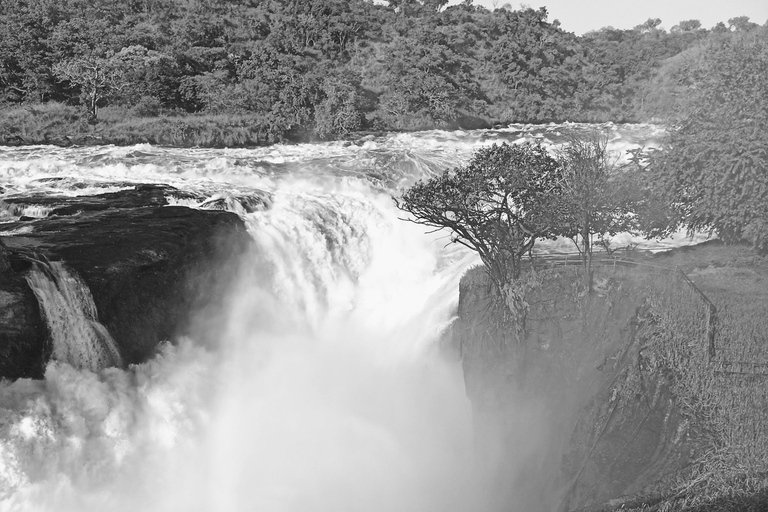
579 414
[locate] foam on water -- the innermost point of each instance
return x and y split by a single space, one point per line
23 230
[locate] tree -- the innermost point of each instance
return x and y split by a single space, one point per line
338 113
649 26
98 78
741 23
714 167
590 191
687 26
498 205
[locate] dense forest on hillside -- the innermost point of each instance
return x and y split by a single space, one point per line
324 68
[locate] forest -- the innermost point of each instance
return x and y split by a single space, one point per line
322 69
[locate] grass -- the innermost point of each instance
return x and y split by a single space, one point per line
729 393
55 123
41 124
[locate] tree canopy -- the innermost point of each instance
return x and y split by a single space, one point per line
328 67
713 170
595 195
498 205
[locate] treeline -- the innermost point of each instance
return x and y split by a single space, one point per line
325 68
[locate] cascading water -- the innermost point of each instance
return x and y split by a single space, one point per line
78 337
328 389
37 211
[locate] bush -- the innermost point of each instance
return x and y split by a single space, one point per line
42 123
147 106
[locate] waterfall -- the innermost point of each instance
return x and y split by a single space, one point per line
327 389
67 305
21 210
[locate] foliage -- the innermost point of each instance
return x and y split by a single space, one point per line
498 205
339 112
99 78
327 67
592 191
714 168
63 124
42 122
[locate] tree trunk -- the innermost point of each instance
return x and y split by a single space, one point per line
92 104
586 258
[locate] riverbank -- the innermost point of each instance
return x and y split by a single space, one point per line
64 125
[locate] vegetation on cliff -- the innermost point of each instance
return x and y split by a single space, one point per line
498 205
713 170
325 68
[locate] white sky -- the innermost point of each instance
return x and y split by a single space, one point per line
581 16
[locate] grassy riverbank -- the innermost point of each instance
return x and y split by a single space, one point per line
65 125
58 124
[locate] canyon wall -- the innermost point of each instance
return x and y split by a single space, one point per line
581 415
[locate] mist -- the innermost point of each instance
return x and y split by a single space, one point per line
327 388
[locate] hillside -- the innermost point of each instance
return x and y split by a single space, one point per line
203 72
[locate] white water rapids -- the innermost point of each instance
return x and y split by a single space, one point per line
328 390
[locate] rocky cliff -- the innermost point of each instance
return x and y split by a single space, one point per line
582 414
154 271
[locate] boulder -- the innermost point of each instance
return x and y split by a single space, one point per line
154 271
23 347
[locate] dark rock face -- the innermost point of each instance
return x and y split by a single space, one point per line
23 345
153 271
578 415
631 437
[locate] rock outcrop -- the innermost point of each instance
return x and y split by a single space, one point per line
581 413
154 271
22 330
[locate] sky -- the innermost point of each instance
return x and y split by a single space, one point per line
581 16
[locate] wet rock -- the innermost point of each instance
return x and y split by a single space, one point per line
155 272
244 203
135 197
22 331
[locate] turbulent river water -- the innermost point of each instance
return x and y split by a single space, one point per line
328 389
